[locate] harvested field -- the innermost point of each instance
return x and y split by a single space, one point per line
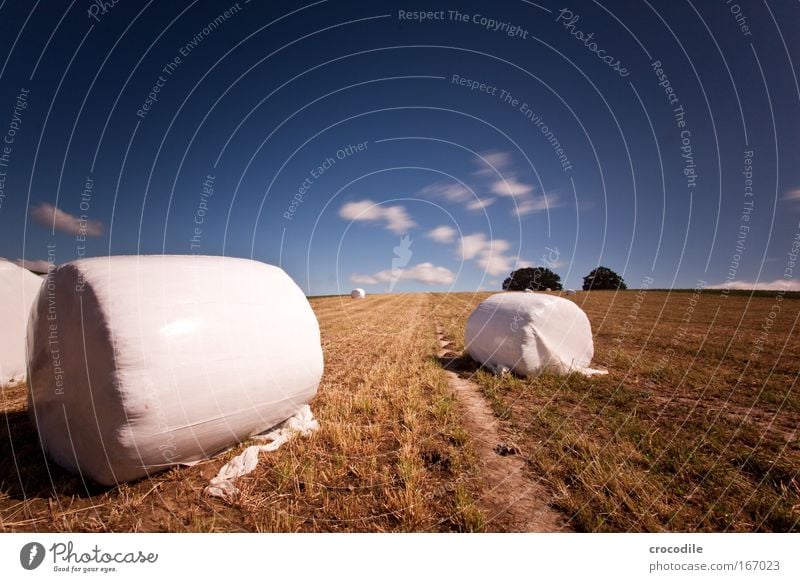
694 429
391 454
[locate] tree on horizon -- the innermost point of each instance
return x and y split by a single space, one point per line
603 278
534 278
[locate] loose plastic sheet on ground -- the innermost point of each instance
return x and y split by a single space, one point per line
302 423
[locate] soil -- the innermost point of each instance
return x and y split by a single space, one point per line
512 497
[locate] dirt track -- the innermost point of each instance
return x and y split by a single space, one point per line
512 498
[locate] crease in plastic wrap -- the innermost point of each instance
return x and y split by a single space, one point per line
528 333
139 363
18 290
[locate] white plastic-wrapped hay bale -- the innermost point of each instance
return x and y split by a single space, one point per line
18 290
140 363
530 333
570 291
357 294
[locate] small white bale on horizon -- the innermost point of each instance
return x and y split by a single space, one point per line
570 291
530 333
358 294
18 290
141 363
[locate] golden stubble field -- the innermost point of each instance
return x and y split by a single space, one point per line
694 429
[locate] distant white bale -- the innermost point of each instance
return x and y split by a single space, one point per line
528 290
570 291
530 333
358 294
18 290
548 289
140 363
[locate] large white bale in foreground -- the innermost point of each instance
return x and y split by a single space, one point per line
140 363
18 290
529 333
357 294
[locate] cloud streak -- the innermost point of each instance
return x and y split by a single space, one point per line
457 194
490 255
394 218
493 163
48 215
535 204
480 203
442 234
508 185
511 187
500 181
450 191
426 273
776 285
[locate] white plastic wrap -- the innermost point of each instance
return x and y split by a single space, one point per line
528 333
140 363
18 290
358 294
302 423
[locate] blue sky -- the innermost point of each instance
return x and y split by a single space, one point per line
356 145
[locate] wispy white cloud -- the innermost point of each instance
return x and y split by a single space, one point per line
471 245
480 203
776 285
526 199
536 203
494 162
456 193
511 187
793 194
450 191
489 254
426 273
48 215
442 234
508 184
395 218
500 181
495 263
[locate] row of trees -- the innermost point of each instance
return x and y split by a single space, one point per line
542 278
